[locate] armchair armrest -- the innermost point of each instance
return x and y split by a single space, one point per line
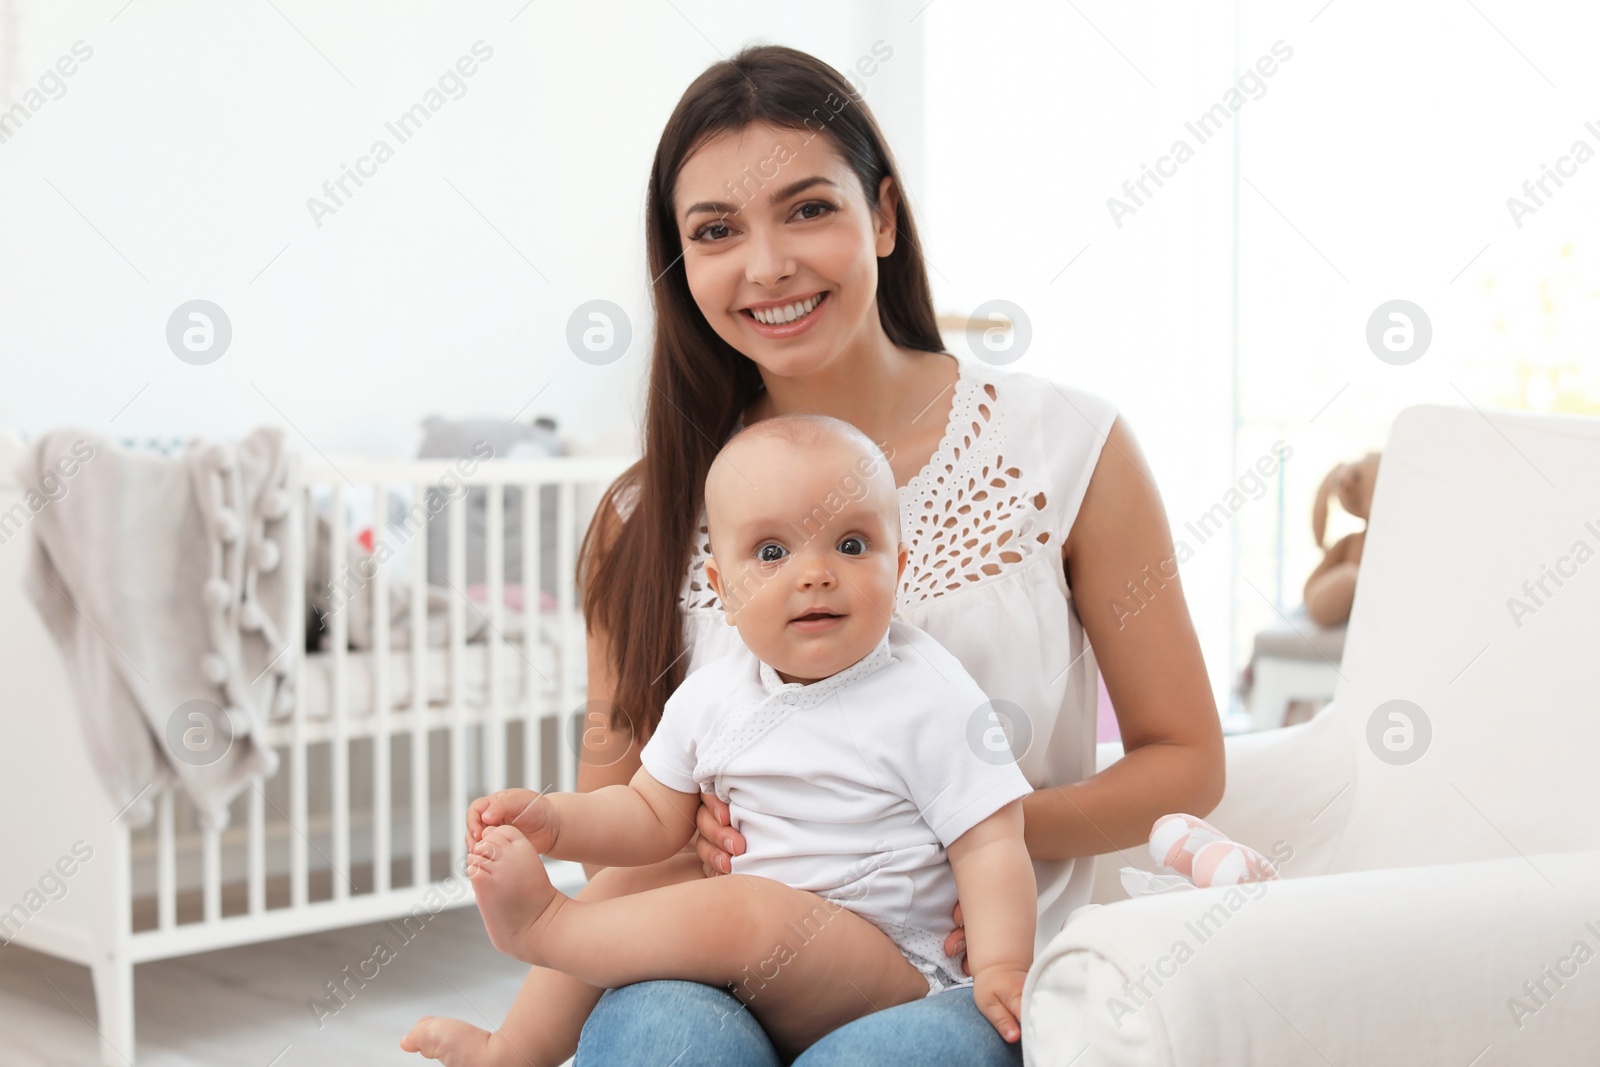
1412 965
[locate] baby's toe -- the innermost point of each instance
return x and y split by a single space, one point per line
502 836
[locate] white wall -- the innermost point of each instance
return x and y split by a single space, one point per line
1036 117
179 161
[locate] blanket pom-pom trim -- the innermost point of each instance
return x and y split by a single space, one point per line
275 505
221 456
266 555
216 593
215 668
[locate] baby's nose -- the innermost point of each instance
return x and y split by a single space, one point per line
816 574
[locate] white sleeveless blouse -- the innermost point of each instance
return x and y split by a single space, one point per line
985 521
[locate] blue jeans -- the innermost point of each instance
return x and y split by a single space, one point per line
662 1023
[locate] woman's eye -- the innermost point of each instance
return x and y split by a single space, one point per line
770 553
853 546
704 232
700 233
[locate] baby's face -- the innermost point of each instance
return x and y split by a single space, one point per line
797 529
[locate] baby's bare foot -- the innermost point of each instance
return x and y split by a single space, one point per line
514 892
458 1044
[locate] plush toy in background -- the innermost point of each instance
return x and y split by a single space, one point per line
1331 589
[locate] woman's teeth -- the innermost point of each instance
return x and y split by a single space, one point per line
782 315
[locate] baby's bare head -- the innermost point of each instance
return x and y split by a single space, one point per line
806 556
800 468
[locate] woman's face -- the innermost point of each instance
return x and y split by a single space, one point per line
769 219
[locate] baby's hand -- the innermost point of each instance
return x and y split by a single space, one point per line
997 991
527 811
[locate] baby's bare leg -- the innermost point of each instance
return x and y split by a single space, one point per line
542 1027
803 964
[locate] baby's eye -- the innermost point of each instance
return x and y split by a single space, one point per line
853 546
765 556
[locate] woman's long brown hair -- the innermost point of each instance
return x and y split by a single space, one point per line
631 572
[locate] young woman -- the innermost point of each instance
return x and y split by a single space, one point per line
788 278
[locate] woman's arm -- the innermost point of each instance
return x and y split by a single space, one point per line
1154 673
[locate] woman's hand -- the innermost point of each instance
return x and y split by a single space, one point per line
718 842
527 811
956 944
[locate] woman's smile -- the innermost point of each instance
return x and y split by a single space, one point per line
792 327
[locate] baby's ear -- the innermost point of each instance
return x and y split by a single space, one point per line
905 554
714 577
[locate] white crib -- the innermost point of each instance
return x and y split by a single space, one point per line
380 756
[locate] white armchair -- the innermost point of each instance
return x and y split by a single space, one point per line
1441 892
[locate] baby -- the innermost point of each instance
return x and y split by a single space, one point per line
839 740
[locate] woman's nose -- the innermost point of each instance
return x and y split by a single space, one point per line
770 261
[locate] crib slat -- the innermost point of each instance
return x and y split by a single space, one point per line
340 745
213 875
571 636
458 649
381 689
494 752
258 847
298 874
421 804
166 889
532 695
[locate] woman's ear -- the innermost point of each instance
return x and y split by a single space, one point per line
888 212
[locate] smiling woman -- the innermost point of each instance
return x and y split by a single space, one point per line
1023 505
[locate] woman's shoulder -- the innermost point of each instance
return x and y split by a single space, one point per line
1023 437
1041 398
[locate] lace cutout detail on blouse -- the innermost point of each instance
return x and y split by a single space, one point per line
697 593
973 513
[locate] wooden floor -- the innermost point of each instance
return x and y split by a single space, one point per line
248 1006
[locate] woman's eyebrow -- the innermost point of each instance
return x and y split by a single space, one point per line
785 193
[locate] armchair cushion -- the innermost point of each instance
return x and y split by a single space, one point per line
1345 968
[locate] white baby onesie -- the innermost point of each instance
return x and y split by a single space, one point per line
851 787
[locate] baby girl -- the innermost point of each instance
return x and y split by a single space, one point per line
839 739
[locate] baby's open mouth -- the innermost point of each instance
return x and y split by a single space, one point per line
810 616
